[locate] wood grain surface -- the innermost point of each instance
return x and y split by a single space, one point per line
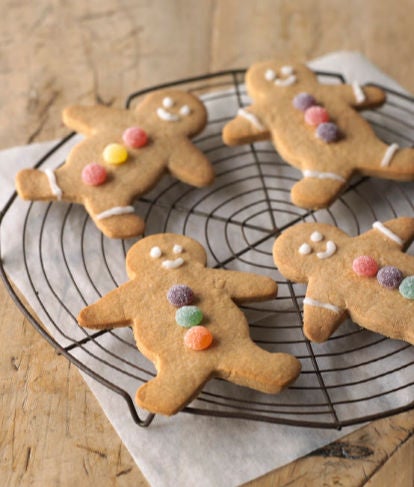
52 431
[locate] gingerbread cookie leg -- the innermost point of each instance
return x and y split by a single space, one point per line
32 184
175 385
317 189
259 369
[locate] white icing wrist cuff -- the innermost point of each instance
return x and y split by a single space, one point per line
115 211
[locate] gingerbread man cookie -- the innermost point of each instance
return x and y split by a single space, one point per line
186 321
316 128
368 277
124 155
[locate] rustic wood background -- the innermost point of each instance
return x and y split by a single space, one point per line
52 431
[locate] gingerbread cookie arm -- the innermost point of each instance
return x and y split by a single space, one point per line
247 127
188 164
245 286
88 119
361 97
108 312
321 316
398 232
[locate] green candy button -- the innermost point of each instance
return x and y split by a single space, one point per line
188 316
407 287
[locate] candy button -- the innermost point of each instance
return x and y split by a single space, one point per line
198 338
115 154
180 295
303 101
364 265
94 174
316 115
135 137
407 287
188 316
390 277
328 132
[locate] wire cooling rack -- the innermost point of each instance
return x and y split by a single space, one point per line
61 262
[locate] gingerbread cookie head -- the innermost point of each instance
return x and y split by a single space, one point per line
164 252
172 112
267 79
302 247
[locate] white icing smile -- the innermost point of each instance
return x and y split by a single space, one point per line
167 116
173 264
330 250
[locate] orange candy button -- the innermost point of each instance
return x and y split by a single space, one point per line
198 338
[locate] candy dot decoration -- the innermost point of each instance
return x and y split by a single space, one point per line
407 287
316 115
188 316
94 174
198 338
303 101
115 154
180 295
328 132
135 137
365 266
390 277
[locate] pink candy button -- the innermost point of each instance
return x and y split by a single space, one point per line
135 137
94 174
364 265
316 115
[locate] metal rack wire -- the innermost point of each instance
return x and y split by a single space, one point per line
355 377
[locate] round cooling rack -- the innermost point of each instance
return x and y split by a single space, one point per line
60 262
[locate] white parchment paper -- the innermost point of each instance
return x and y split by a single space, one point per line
185 450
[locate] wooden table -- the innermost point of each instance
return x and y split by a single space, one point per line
52 431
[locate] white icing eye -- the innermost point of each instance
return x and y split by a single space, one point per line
305 249
155 252
270 75
286 70
167 102
316 237
185 110
177 249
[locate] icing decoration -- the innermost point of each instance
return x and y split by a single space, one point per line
53 184
309 173
389 154
198 338
180 295
319 304
390 277
115 211
94 174
185 110
358 92
167 116
173 264
135 137
407 287
387 232
287 81
365 266
251 118
303 101
188 316
115 154
286 70
177 249
316 236
270 75
316 115
328 132
167 102
330 250
155 252
305 249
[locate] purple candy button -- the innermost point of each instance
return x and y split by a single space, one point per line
303 101
328 132
390 277
180 295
